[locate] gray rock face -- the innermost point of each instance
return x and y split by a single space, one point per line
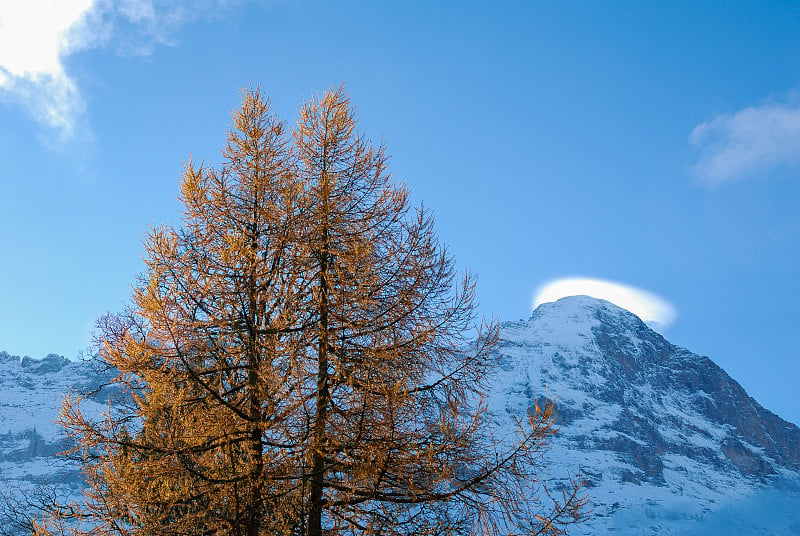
667 441
650 424
637 356
31 392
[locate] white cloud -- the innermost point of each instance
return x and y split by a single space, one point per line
32 42
657 312
756 139
36 36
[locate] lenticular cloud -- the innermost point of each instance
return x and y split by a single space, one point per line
651 308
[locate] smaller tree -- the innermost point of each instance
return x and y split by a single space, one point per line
299 361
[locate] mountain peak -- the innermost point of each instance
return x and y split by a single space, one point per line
640 413
580 307
578 316
575 306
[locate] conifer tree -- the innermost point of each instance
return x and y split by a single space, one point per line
301 360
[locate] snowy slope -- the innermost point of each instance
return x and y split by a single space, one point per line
667 441
31 391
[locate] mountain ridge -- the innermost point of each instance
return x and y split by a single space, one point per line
654 427
667 442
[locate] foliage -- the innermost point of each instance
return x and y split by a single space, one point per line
300 359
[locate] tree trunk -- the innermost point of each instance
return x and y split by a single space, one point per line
255 511
316 499
323 400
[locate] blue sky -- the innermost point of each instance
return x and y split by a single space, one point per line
652 144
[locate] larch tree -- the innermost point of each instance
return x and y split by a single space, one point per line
302 359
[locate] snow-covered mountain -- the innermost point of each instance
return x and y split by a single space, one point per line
31 391
668 442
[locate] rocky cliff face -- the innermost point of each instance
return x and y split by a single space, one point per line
668 442
662 435
31 391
